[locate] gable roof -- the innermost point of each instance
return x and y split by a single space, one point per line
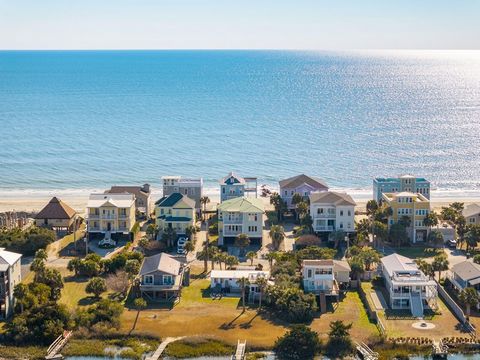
135 190
242 204
320 262
232 179
467 270
56 209
396 262
471 210
341 265
338 265
8 258
173 199
331 197
118 200
160 262
296 181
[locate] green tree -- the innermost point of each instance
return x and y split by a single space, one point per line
472 237
152 231
339 343
299 343
372 208
189 247
278 204
96 286
251 255
440 263
243 282
139 304
204 200
369 256
74 265
191 231
132 267
143 242
435 237
405 221
398 234
53 279
431 219
476 259
469 298
231 261
302 209
270 257
242 241
169 236
425 267
357 266
277 234
262 284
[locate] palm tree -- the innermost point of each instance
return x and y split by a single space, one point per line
278 203
469 298
431 220
152 231
242 241
204 200
250 256
277 234
440 263
243 283
302 209
231 261
212 254
190 231
270 257
262 284
189 247
405 220
20 291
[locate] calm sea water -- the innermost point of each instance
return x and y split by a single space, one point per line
78 120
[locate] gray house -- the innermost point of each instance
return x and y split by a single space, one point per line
465 274
161 277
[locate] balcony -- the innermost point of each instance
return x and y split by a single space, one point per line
233 220
232 232
109 217
324 228
325 216
93 217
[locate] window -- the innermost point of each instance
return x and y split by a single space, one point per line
349 213
309 273
223 190
341 212
286 192
167 280
148 279
341 225
185 191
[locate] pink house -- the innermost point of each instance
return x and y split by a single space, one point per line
300 184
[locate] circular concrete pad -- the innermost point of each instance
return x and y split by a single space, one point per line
423 325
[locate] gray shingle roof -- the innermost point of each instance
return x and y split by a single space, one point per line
467 270
160 262
296 181
332 197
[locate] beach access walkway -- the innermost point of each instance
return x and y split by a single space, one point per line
161 348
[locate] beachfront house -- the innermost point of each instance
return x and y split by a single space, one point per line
412 206
332 211
465 274
300 184
161 277
404 183
325 276
408 288
234 186
175 211
227 282
472 214
142 196
10 276
240 216
191 187
110 215
57 216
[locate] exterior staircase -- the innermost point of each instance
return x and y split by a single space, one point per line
416 304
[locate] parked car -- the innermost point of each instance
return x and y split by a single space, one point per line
451 244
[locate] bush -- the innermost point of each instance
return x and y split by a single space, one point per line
292 304
96 286
297 344
190 348
26 242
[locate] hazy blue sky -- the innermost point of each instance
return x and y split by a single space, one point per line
300 24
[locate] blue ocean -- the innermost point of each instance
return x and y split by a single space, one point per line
90 119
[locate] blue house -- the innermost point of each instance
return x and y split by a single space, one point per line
233 186
405 183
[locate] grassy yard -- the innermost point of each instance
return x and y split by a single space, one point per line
350 310
198 315
399 324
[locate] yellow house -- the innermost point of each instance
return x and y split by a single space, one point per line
176 211
414 206
111 213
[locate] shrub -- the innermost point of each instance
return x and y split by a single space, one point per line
96 286
297 344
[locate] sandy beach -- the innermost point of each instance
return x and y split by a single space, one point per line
35 201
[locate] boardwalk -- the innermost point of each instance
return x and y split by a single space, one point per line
240 351
161 348
54 349
366 352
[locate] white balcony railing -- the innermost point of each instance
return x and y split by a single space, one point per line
324 228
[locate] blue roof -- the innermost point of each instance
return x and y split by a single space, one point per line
169 200
174 218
